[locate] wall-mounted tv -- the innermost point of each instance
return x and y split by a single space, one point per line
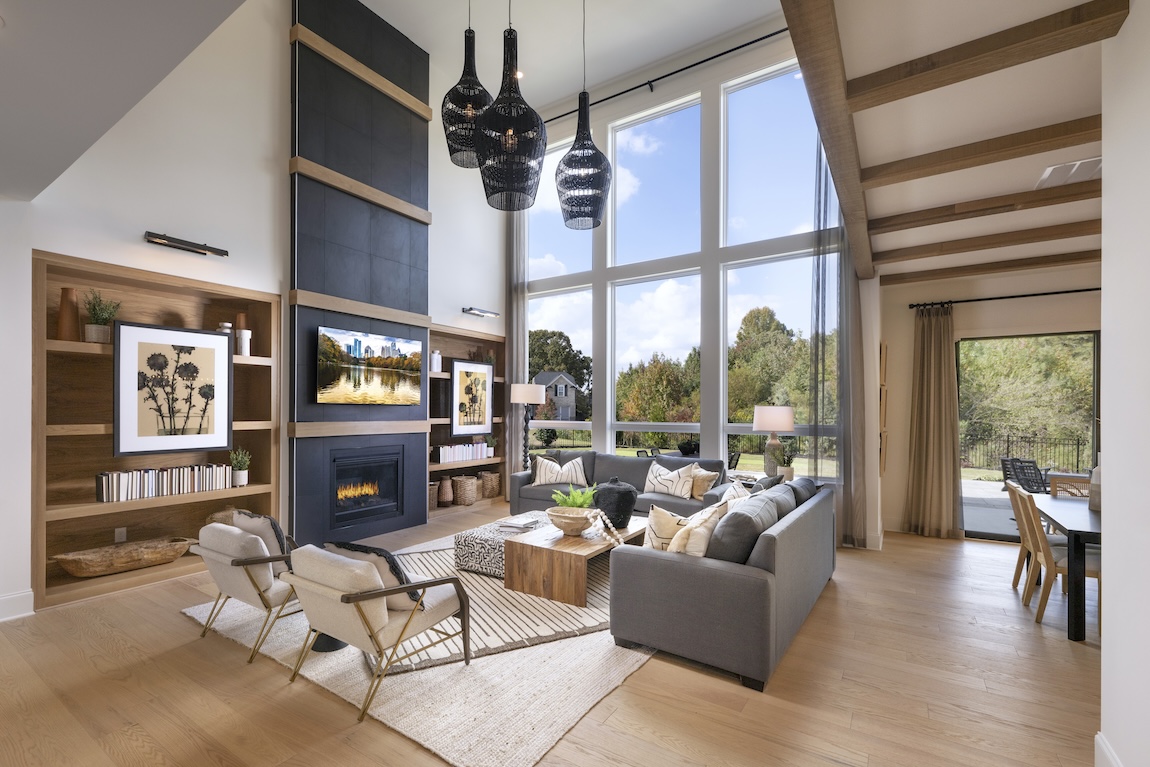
366 369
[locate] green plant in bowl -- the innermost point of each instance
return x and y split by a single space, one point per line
575 497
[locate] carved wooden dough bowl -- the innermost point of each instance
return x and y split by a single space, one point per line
121 557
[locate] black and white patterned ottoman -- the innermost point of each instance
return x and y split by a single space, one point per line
480 550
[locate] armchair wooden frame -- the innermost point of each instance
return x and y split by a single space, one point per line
269 621
383 659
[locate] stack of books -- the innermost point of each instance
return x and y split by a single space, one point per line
518 524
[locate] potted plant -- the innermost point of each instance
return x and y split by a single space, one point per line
240 459
570 513
784 455
100 315
491 440
689 446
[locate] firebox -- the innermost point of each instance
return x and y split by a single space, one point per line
366 485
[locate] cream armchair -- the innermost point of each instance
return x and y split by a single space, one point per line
345 598
242 568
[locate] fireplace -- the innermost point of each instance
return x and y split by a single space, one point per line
366 485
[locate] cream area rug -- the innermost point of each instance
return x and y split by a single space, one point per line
506 709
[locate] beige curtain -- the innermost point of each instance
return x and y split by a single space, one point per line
933 495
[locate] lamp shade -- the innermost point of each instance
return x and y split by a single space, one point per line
462 106
528 394
583 176
510 141
775 418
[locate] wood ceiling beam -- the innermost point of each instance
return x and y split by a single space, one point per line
1084 130
815 34
990 241
1058 32
990 206
998 267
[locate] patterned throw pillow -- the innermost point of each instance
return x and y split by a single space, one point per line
678 483
704 481
734 494
390 572
548 472
662 526
694 537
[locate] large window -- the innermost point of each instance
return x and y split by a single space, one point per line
559 354
554 249
656 187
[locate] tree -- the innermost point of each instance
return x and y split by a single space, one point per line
552 350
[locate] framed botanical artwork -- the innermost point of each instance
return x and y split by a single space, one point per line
173 389
470 398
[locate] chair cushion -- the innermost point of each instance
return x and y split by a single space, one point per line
234 543
440 603
390 571
735 535
333 574
784 498
267 529
548 472
703 481
662 526
694 537
679 483
804 489
767 482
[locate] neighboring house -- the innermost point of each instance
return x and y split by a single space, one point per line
560 390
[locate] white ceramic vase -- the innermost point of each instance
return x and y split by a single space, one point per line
239 478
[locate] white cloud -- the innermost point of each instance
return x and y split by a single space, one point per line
736 222
663 318
626 185
568 312
637 141
547 266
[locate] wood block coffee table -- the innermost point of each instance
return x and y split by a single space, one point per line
546 563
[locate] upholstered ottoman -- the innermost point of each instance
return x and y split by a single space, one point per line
480 549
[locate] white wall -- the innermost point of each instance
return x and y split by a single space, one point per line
1125 410
1025 316
202 157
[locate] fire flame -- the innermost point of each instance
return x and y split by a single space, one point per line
348 492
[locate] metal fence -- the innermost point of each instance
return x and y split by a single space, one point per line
1073 455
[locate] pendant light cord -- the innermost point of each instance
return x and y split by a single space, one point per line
584 44
469 14
509 14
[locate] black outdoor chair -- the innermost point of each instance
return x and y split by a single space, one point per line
1007 470
654 451
733 460
1027 474
641 454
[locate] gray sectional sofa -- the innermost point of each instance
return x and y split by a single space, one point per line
741 615
601 467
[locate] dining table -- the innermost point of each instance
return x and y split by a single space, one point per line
1073 518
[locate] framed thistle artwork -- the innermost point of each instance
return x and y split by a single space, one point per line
173 389
470 398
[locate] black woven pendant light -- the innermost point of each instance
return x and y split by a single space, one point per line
511 140
583 176
463 104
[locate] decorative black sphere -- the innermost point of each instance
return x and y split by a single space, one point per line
617 501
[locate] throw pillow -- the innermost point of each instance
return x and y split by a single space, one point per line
693 539
390 571
267 529
662 526
704 481
804 489
549 472
734 494
678 483
767 482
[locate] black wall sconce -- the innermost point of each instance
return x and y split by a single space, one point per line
479 312
178 244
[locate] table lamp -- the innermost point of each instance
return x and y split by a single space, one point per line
773 419
527 395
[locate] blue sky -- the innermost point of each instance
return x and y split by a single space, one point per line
345 337
770 193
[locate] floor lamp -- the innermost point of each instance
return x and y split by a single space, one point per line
772 419
527 395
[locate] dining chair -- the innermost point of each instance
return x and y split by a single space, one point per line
641 454
1053 560
655 451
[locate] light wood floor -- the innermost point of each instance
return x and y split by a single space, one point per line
918 655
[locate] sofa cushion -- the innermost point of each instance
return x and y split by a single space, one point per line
662 526
669 502
694 537
804 489
678 483
784 498
541 492
628 468
391 573
737 532
587 456
703 481
548 472
767 482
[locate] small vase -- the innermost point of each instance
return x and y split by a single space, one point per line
239 477
98 334
491 452
436 361
243 342
68 318
788 473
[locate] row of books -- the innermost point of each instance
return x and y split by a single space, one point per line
153 483
472 451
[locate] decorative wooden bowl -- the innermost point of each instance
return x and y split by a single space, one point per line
570 521
121 557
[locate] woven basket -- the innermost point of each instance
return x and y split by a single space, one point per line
464 488
432 495
491 483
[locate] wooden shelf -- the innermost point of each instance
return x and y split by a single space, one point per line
447 421
55 513
465 464
85 588
106 350
447 376
98 429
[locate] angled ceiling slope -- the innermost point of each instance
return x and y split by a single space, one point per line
70 71
941 118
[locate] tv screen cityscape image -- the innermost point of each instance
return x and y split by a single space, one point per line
355 368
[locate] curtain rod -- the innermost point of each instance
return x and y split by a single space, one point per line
651 83
1002 298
